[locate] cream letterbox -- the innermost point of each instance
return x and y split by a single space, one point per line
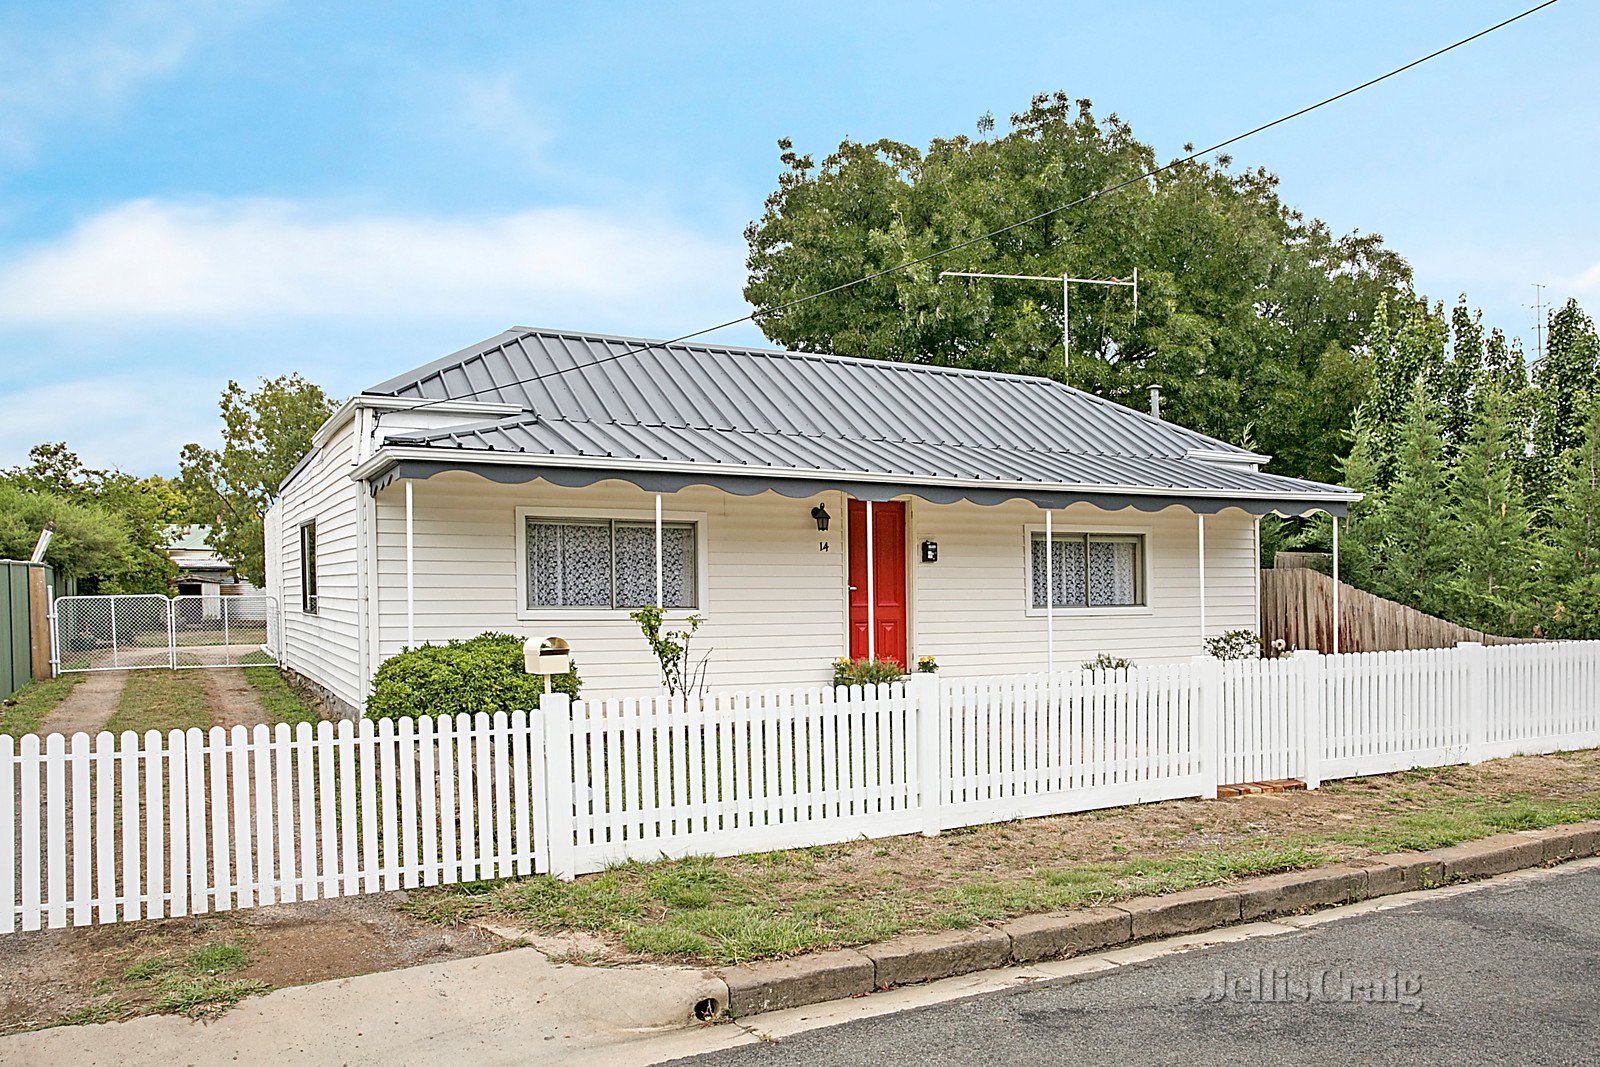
547 657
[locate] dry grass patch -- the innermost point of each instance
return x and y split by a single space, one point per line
717 911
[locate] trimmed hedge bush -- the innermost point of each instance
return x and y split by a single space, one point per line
481 674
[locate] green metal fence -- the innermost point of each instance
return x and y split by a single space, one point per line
16 656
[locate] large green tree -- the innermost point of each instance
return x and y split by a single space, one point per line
265 432
1250 315
91 543
110 525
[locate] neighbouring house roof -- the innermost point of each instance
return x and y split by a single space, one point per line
752 419
187 538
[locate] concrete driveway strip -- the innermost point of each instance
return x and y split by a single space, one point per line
513 1007
1502 972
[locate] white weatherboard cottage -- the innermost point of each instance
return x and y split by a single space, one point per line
546 483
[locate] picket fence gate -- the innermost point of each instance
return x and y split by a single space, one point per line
112 829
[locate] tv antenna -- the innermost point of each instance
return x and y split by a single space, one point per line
1066 281
1538 306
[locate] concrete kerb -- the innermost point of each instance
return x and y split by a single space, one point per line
837 974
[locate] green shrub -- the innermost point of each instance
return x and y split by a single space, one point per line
1105 661
866 671
1235 644
481 674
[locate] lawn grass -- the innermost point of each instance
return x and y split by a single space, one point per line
282 703
723 911
162 700
198 983
25 710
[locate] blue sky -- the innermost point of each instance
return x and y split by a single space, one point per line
191 192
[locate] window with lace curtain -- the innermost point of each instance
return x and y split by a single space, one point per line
1089 570
607 563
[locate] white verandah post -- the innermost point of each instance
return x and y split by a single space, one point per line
659 604
411 575
1201 556
872 590
1049 595
1335 584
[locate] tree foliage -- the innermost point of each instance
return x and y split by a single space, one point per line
1490 527
110 526
1250 315
265 432
1565 380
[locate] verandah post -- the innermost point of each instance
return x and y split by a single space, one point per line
1473 659
1205 678
926 695
559 788
1311 689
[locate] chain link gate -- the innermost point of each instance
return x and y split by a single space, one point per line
141 631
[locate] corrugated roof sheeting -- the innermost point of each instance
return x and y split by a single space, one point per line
594 396
766 390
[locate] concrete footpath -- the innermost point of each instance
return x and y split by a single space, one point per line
511 1007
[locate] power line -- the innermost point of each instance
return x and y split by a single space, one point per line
1117 187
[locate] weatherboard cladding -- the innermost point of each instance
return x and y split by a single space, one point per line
601 397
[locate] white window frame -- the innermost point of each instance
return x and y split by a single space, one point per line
547 613
1078 528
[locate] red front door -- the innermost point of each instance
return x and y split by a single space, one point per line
888 580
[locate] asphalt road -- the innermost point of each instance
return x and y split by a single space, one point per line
1509 974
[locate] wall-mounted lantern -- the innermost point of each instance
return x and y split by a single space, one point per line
820 513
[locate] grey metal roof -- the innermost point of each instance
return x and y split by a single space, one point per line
588 396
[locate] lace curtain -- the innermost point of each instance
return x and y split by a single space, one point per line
636 565
603 564
1108 577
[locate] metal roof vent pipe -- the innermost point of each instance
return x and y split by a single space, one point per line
1155 401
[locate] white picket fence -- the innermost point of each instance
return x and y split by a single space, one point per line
192 822
105 829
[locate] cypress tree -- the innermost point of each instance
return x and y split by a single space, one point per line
1491 538
1570 564
1565 380
1416 514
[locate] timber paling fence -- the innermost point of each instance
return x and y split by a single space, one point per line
1297 609
105 829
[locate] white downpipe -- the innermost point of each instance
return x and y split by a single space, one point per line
872 589
1049 596
1335 584
659 603
1200 516
411 570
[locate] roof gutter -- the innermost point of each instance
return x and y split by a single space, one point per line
389 455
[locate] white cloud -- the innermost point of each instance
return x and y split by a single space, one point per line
86 68
153 262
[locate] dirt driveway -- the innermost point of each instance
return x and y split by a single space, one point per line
228 699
